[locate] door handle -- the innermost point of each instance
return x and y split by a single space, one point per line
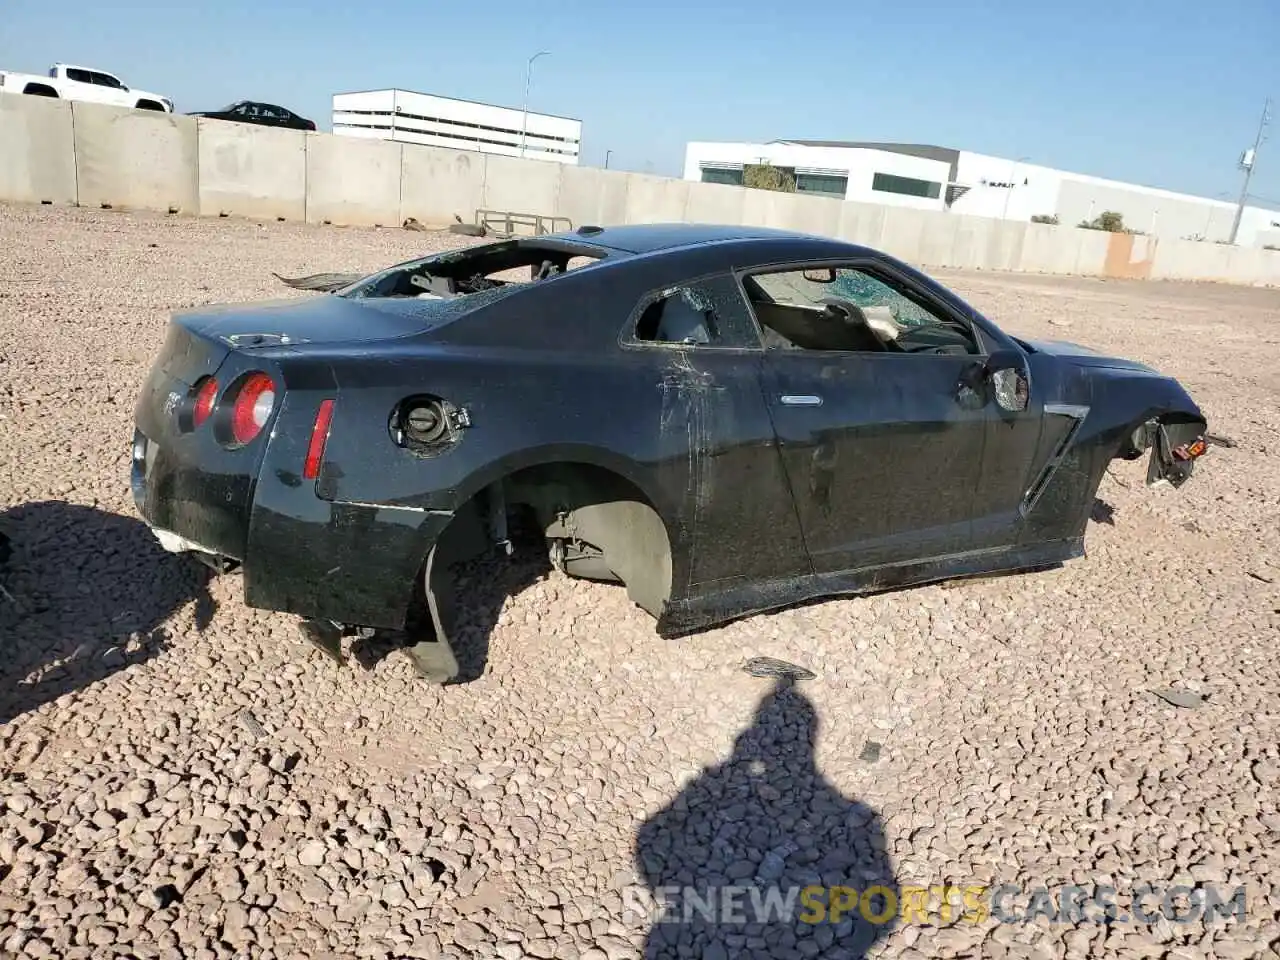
800 400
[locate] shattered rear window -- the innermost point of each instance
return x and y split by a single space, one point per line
435 312
505 264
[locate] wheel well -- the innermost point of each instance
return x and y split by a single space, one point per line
149 105
40 90
578 503
1137 439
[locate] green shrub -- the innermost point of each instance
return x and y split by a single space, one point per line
765 176
1108 220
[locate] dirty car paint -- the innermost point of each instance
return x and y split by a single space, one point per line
777 475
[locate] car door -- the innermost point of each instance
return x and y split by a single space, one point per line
290 120
112 90
272 115
87 86
711 447
883 446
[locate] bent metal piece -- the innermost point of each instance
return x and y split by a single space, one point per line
772 667
320 282
434 659
325 636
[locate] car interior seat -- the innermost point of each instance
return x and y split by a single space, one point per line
682 323
809 328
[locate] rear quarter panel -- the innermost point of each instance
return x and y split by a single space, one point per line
688 428
310 556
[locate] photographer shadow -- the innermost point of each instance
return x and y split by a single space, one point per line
762 857
84 594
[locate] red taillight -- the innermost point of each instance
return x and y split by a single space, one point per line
255 400
205 396
319 434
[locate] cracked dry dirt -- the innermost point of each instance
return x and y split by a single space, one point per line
185 777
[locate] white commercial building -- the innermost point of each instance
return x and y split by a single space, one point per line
459 124
941 178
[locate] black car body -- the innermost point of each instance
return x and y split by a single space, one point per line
687 409
264 114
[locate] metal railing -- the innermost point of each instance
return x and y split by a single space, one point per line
510 223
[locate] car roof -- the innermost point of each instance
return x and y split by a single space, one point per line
655 237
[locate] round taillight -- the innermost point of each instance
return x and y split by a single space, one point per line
205 397
255 400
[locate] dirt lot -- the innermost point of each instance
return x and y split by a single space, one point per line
185 777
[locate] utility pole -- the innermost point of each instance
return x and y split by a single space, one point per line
524 119
1248 161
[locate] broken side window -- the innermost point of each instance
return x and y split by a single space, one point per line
707 312
683 315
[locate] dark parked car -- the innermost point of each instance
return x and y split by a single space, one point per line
725 419
266 114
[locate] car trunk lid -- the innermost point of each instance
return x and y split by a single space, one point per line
324 319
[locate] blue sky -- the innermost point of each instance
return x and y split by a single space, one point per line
1164 93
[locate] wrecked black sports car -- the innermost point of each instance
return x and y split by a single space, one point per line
726 420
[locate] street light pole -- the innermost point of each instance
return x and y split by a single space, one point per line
1013 171
607 154
1252 161
1208 224
524 120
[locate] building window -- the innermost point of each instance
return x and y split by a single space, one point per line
718 175
457 134
888 183
823 184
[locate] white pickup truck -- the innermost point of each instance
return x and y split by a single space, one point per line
68 82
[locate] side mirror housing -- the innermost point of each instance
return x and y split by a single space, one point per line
820 275
1007 372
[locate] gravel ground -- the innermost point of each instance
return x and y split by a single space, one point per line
185 777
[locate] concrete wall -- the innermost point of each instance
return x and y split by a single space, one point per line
1189 260
592 195
90 154
655 199
135 159
251 171
353 182
767 208
438 185
715 203
37 150
510 183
